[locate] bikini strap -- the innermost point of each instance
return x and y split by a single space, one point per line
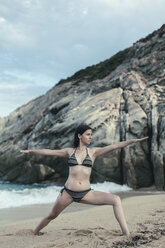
87 151
75 150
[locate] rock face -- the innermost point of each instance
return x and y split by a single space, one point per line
121 98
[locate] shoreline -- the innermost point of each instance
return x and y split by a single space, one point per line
22 213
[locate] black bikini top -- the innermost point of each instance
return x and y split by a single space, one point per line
72 161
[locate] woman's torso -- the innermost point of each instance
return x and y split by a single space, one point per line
79 174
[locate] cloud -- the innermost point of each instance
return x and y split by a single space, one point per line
2 20
12 87
44 41
24 78
19 87
13 35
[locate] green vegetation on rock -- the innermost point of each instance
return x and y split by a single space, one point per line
100 70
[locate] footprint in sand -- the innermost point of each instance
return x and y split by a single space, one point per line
27 232
82 232
68 229
46 245
159 211
148 222
114 233
8 234
99 227
94 244
142 225
64 245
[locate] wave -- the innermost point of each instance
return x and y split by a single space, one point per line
16 195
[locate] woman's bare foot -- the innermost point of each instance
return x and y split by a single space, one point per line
38 233
126 234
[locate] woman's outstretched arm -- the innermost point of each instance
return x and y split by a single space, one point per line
99 151
61 153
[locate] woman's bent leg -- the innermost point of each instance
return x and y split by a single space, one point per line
63 200
102 198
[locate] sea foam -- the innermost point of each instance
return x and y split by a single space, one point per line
14 195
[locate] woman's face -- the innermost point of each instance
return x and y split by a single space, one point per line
86 137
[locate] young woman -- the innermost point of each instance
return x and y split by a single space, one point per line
77 187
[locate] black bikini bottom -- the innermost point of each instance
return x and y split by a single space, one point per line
76 195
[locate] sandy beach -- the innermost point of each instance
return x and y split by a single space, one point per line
90 226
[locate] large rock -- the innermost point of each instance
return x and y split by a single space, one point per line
29 173
121 98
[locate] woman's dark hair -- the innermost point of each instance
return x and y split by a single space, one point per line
80 129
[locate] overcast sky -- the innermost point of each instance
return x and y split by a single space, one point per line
43 41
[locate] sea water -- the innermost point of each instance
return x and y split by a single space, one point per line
16 195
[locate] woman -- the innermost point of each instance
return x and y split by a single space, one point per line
77 187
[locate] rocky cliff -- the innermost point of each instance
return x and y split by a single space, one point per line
121 98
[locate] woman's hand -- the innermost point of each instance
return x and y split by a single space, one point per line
25 151
141 139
